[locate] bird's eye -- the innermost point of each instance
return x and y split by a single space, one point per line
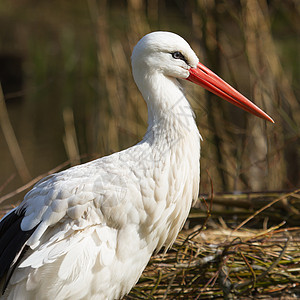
178 55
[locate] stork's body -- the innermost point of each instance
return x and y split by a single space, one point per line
88 232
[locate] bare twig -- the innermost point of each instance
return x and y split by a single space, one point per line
265 207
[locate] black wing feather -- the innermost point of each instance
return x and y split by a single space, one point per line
12 243
9 219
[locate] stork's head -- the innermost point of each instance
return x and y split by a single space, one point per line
170 55
164 52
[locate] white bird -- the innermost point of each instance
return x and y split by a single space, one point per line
88 232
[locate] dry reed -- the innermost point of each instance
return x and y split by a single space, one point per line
12 141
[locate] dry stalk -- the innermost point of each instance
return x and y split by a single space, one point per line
12 141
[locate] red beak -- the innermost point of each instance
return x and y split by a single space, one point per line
204 77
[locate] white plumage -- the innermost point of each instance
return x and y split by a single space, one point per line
88 232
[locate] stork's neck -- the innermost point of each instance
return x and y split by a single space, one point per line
171 123
167 104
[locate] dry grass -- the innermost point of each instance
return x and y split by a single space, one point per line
225 263
220 263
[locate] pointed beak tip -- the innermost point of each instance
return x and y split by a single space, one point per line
272 121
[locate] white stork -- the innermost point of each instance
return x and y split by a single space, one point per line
88 232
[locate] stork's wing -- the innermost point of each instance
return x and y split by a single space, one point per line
12 242
52 214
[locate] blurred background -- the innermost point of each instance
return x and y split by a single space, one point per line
70 97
